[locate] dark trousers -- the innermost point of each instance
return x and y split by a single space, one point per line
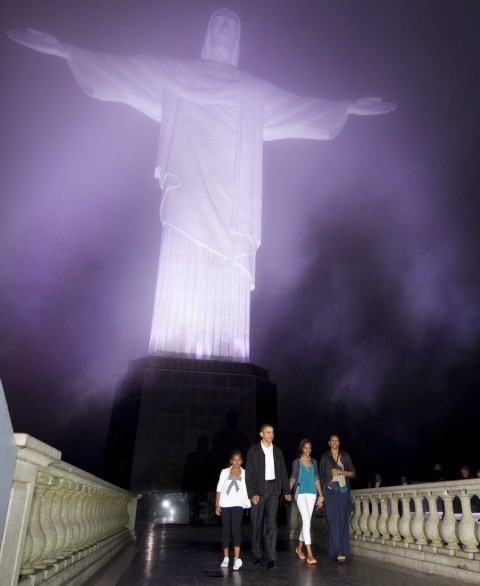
264 524
232 525
337 506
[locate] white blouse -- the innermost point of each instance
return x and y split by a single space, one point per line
233 491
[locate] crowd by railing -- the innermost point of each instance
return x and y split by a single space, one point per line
62 523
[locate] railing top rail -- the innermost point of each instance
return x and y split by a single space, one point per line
23 440
46 458
473 483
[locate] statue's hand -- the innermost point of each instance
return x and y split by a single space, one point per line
370 107
40 41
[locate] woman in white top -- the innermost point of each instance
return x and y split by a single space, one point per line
230 500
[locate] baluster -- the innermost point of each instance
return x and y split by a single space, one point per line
117 511
73 517
418 522
80 517
48 523
478 529
405 520
103 516
68 547
382 521
96 514
394 518
466 527
432 524
124 517
27 552
448 525
58 517
356 515
108 514
115 514
363 521
89 516
39 539
373 519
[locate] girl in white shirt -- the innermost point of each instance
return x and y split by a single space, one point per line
230 500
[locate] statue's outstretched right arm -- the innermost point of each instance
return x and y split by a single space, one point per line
40 41
104 76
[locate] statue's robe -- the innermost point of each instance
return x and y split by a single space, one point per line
214 119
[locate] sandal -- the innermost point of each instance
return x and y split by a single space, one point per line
341 558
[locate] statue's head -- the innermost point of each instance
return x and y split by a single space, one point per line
222 42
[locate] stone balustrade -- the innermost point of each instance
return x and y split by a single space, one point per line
63 524
434 527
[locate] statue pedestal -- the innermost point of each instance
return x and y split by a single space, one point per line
175 421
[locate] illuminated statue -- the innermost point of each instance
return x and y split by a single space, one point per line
214 120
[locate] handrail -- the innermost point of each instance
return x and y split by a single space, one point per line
420 514
430 527
62 522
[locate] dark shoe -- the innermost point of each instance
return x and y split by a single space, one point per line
257 562
271 565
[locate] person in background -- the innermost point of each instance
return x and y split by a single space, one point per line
465 473
336 471
306 481
436 473
230 501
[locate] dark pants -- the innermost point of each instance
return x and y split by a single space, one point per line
232 525
264 524
337 506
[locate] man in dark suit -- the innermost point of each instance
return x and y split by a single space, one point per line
266 477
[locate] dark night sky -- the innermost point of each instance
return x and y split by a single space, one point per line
367 306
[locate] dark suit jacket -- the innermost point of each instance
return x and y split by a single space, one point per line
255 471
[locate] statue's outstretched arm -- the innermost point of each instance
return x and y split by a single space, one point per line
370 107
40 41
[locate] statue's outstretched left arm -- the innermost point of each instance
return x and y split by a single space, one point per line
288 115
370 107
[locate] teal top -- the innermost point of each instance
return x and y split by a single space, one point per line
306 483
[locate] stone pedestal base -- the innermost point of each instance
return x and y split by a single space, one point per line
175 421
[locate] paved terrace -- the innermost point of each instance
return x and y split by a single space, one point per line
190 555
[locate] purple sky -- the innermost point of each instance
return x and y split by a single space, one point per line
373 327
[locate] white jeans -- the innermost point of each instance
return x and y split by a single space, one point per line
305 504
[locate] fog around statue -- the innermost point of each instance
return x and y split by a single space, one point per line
214 119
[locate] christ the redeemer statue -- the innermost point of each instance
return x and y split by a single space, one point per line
214 119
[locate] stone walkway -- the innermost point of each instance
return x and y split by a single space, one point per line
189 555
